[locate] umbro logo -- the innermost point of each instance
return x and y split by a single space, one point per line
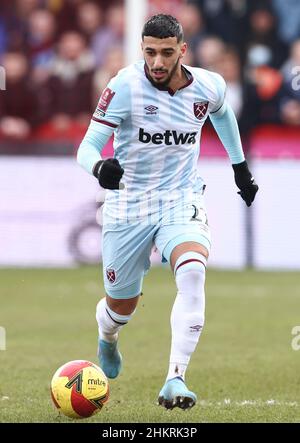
151 110
195 328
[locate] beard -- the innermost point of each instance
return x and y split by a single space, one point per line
166 82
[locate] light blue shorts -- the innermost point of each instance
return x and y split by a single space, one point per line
126 247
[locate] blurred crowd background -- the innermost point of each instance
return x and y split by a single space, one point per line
58 56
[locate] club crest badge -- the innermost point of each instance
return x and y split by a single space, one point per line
111 275
200 109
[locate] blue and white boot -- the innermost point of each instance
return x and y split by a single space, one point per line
110 358
175 393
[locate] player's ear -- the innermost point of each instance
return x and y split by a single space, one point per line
183 48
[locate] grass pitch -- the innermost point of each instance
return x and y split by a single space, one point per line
244 369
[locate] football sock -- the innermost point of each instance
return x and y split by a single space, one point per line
187 316
109 322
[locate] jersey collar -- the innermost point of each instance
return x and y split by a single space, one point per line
188 74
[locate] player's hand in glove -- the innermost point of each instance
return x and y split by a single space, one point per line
109 173
245 182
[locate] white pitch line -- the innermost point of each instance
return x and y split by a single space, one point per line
229 402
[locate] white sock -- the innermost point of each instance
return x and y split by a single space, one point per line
187 317
109 322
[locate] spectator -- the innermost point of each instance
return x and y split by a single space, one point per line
167 6
188 58
288 13
112 64
290 103
111 35
25 7
66 15
17 23
70 84
3 38
229 67
18 105
290 112
90 23
40 43
224 18
263 32
89 19
292 63
263 88
193 25
209 52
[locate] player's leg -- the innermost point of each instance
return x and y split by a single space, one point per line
187 252
126 251
188 262
112 315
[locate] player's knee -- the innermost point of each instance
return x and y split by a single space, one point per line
188 248
189 273
195 272
122 306
192 263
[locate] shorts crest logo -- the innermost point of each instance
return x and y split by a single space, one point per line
111 275
200 109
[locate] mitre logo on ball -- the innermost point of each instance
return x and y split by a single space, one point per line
79 389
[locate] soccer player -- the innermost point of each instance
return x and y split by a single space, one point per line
156 109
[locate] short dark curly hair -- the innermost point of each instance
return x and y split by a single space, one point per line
163 26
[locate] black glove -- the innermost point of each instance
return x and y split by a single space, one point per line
109 173
245 182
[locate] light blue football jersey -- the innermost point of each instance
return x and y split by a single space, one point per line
156 136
